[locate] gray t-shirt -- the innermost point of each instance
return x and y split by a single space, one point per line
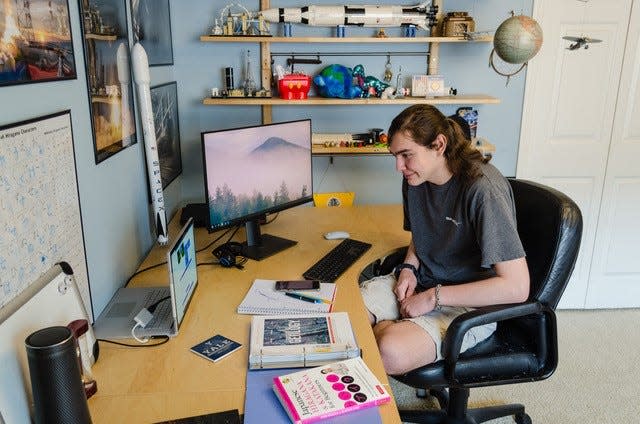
460 232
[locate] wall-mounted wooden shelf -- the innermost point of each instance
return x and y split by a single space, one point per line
464 99
320 150
343 40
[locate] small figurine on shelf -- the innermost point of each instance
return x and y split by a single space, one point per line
370 85
228 28
249 82
243 23
399 87
388 93
262 26
217 29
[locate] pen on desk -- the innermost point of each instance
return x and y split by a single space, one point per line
305 298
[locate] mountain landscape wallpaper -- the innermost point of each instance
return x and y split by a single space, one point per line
254 169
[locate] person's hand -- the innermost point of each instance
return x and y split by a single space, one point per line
418 304
406 284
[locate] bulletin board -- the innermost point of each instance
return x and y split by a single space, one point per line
40 222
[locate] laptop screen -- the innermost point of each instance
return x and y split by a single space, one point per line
183 272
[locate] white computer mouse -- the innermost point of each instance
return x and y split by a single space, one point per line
333 235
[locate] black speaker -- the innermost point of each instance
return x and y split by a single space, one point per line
56 383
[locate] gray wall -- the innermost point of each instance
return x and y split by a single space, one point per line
113 194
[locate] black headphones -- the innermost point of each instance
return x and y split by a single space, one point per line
228 253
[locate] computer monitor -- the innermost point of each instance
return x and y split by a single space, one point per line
253 171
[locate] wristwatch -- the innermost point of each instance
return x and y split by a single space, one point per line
398 268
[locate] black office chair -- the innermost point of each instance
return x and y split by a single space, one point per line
524 347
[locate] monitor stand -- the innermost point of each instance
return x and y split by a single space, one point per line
259 246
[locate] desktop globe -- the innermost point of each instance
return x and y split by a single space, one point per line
518 39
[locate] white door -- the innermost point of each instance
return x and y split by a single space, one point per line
615 270
568 112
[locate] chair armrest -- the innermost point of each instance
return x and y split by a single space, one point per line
460 325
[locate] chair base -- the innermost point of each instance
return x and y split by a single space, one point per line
473 416
454 410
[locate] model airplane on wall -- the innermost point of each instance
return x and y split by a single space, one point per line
421 15
578 42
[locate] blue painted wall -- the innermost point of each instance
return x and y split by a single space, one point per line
113 194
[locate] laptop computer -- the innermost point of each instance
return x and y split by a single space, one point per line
117 319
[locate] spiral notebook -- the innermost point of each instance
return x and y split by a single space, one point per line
263 299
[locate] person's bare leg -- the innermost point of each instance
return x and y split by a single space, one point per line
403 346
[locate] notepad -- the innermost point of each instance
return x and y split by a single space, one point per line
263 299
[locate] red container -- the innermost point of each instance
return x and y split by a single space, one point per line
294 86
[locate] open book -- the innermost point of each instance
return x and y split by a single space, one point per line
338 388
263 299
301 340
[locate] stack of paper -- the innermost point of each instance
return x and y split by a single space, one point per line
263 299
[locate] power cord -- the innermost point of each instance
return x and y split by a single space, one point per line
144 270
152 308
235 230
197 251
164 340
133 334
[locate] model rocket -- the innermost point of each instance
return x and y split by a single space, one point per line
124 78
420 15
142 79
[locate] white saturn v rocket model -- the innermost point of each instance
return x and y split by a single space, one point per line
142 79
421 15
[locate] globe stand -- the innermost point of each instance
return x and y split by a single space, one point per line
504 68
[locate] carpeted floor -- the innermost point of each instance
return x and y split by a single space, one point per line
597 380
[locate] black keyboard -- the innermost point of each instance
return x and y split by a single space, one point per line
334 263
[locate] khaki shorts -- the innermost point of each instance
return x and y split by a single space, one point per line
381 301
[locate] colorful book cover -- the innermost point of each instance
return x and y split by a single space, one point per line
301 340
329 390
216 348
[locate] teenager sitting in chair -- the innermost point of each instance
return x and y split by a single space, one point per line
464 252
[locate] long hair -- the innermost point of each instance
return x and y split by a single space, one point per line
423 123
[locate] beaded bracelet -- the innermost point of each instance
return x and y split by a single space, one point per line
438 306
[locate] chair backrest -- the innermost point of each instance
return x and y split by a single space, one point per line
550 228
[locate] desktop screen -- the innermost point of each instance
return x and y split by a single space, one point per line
256 170
253 171
184 275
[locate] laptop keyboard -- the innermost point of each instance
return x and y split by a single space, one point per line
163 309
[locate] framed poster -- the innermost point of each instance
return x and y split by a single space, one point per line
40 205
152 28
164 101
35 42
107 61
